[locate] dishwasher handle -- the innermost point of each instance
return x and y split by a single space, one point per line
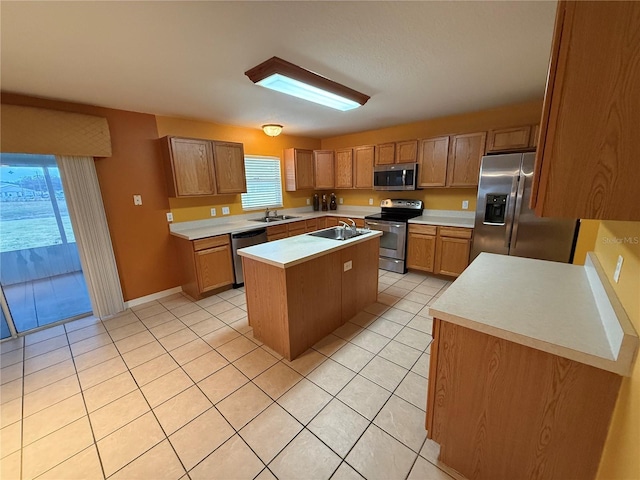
250 233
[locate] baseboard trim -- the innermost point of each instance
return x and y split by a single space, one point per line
149 298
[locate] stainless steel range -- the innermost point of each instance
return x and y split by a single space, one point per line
392 222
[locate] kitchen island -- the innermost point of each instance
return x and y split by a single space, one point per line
525 370
302 288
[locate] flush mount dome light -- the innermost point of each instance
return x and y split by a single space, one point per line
285 77
272 129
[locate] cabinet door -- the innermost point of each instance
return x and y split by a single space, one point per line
535 134
323 169
229 167
363 166
344 168
452 255
385 153
464 159
434 153
587 164
298 168
214 268
421 251
296 228
192 167
311 225
407 152
509 139
331 221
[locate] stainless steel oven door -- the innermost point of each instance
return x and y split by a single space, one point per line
394 237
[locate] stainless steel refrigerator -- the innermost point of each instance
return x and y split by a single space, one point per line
504 222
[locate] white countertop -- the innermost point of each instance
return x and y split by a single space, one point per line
446 218
566 310
242 223
301 248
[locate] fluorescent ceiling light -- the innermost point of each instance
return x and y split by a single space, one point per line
285 77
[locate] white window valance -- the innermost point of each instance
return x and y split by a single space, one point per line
53 132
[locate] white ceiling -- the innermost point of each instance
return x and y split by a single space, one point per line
416 60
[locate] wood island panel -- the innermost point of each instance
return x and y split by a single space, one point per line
501 410
360 284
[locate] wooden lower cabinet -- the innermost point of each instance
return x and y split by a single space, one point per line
439 250
311 225
331 221
277 232
207 264
501 410
421 247
296 228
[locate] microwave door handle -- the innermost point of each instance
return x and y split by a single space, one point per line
404 178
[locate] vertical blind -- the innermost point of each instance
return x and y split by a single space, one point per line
264 185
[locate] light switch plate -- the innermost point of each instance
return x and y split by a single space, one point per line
225 210
348 265
616 274
169 217
465 204
371 201
137 199
308 201
213 212
341 200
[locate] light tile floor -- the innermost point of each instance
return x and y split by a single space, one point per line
181 389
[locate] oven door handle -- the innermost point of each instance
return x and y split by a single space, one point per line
400 225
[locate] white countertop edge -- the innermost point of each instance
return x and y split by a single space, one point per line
339 245
608 364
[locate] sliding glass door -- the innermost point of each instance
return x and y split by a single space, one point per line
40 270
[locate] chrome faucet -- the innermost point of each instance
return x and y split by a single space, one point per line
351 227
267 212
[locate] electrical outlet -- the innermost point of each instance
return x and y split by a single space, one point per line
371 201
341 200
308 201
348 265
616 274
213 212
225 210
465 204
137 199
169 217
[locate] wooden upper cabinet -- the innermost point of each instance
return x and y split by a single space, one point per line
587 158
324 169
229 167
298 166
363 158
344 168
189 167
407 152
535 134
464 159
432 169
509 139
385 154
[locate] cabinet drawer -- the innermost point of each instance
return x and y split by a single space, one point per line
210 242
297 228
276 230
423 229
277 236
455 232
312 225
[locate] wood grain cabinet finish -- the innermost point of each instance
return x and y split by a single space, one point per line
432 159
509 139
421 247
296 228
298 168
189 167
228 159
464 159
324 169
587 159
363 158
501 410
344 168
407 151
535 135
385 153
206 264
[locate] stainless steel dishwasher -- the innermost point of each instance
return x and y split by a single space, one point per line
242 240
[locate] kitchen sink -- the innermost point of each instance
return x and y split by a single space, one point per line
336 233
274 218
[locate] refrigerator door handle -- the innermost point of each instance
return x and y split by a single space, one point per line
508 220
516 214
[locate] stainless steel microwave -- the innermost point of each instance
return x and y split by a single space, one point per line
398 176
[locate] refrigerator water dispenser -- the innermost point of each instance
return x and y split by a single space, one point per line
495 209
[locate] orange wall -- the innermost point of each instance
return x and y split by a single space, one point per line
255 143
621 459
140 235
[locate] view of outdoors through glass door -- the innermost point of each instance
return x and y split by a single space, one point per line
40 270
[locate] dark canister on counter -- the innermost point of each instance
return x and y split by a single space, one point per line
332 204
324 203
316 202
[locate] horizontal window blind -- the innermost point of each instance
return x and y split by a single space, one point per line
264 185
